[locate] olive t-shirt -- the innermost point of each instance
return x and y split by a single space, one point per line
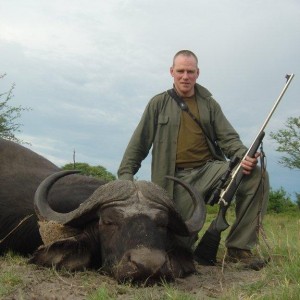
192 148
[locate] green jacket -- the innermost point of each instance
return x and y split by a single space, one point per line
158 128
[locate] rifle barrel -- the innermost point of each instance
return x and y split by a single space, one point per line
289 79
253 148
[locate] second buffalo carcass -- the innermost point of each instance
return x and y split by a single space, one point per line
21 172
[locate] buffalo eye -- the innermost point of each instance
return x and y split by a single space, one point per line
161 225
107 222
110 217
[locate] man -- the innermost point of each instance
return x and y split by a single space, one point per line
197 155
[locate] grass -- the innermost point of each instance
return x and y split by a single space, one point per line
10 279
279 280
101 294
159 291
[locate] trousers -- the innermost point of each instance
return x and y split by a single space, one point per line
251 201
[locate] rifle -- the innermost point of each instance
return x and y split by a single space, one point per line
206 251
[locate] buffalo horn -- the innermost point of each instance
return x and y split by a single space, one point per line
41 205
195 223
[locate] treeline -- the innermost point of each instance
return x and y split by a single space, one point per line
281 202
94 171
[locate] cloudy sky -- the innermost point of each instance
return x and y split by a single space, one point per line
88 68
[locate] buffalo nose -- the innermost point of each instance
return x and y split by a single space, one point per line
141 263
150 260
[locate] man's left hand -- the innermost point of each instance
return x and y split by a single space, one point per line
249 163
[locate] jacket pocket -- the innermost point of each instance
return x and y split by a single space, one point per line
162 120
162 130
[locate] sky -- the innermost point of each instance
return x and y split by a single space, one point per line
87 69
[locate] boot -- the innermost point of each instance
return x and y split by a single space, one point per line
246 257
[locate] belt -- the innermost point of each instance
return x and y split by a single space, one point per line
178 169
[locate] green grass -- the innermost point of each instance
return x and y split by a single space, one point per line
162 291
281 278
101 293
9 279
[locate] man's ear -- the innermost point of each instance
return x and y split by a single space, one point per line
172 71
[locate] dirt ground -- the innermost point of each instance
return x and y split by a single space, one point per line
20 280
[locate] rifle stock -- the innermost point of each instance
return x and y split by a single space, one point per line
206 251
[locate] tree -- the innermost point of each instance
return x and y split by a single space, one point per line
289 143
86 169
9 115
280 202
298 200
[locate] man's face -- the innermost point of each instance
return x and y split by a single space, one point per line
185 73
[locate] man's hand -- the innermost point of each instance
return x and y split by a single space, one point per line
249 163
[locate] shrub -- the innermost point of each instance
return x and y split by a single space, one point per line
279 201
94 171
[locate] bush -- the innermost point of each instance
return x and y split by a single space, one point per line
279 202
94 171
298 200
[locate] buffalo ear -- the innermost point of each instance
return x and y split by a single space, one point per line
73 254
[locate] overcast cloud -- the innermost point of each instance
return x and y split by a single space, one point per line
88 68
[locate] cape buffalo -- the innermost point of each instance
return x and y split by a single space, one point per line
126 228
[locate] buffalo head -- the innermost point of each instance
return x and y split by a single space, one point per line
125 228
